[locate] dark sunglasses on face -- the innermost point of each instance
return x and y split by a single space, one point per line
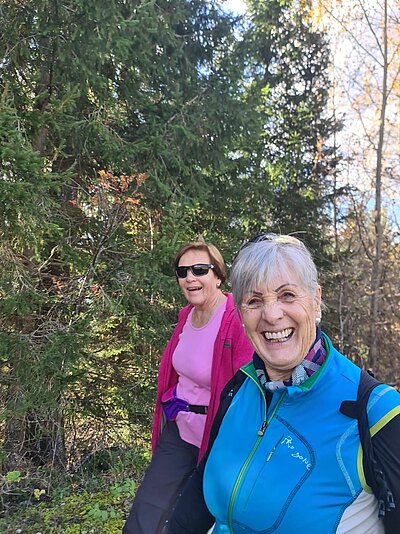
200 269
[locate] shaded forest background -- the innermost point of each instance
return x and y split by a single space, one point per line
128 128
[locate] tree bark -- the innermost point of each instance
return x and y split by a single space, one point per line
377 266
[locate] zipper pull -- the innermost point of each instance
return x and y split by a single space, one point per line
274 448
262 429
270 454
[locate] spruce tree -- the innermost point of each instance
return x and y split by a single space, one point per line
112 110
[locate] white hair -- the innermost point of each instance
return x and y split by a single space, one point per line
259 262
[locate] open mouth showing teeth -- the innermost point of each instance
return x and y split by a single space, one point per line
193 288
279 337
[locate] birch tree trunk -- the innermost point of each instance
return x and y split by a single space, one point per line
377 264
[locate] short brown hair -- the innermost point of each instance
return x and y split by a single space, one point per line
215 256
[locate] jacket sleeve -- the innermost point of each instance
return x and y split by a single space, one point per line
242 350
166 375
387 446
191 515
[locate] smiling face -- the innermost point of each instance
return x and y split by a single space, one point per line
201 291
280 321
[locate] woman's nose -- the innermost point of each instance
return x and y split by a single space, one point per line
190 275
272 310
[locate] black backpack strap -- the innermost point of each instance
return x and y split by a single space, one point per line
227 394
374 474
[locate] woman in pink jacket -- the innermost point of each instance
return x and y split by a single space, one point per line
207 347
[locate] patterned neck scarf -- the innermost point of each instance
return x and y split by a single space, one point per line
311 363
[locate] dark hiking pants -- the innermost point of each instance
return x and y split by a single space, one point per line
172 463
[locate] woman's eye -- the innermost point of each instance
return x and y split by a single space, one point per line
287 296
254 303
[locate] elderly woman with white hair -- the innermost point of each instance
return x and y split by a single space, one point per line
302 441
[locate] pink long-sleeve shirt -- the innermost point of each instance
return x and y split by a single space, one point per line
232 349
192 360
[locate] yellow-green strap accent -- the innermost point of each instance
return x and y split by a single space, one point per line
373 430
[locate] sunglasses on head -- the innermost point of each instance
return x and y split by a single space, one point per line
268 236
200 269
278 238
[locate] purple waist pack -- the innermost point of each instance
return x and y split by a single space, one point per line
172 404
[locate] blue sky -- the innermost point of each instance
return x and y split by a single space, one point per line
236 6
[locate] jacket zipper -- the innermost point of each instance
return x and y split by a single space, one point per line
260 434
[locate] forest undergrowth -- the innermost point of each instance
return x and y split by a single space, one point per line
95 497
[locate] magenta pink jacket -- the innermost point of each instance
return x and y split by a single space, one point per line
232 349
